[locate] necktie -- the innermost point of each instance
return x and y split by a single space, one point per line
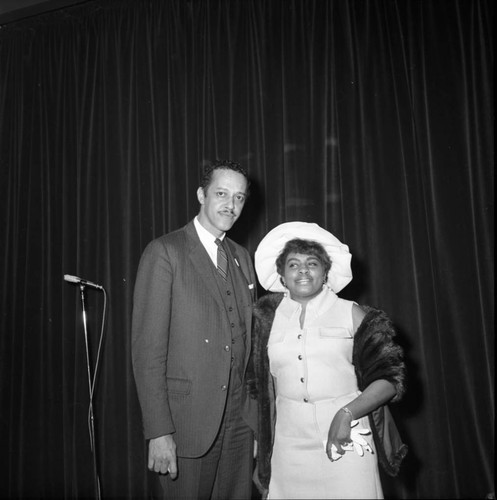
222 260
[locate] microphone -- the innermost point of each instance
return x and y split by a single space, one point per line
81 281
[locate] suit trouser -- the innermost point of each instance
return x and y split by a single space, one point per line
225 472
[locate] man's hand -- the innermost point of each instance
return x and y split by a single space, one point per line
162 455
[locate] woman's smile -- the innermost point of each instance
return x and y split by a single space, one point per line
304 276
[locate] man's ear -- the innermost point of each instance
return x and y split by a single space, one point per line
200 195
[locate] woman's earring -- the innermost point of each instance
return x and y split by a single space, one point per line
285 293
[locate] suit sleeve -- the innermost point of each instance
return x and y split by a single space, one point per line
150 338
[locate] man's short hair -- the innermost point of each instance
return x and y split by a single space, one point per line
221 165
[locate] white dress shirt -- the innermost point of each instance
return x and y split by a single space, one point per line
208 240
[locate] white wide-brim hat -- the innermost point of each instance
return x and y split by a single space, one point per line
340 274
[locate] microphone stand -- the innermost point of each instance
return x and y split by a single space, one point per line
90 390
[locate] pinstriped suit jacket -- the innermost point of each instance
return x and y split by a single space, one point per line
179 332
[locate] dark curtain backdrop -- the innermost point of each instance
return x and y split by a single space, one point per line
373 118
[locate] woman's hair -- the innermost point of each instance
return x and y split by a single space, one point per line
305 247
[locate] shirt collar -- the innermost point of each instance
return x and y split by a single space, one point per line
203 233
315 307
207 239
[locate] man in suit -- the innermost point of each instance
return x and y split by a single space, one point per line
191 327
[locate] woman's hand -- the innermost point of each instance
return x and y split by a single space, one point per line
339 433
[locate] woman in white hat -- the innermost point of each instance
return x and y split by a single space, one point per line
322 368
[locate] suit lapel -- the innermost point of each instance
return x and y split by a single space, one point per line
202 263
241 280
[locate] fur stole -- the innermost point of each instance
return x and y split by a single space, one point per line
375 355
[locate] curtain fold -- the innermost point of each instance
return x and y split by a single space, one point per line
372 118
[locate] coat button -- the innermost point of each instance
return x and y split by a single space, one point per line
300 356
227 348
302 379
224 387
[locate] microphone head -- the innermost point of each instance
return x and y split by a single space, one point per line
72 279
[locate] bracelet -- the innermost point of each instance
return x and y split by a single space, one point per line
346 410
